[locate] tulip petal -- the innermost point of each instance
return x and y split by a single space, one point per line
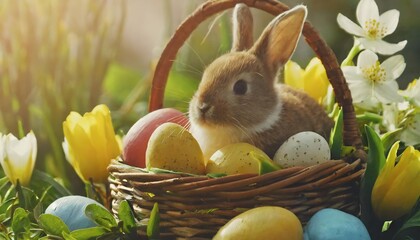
293 75
349 26
365 11
19 157
389 20
405 182
315 79
2 144
91 144
72 119
80 147
381 186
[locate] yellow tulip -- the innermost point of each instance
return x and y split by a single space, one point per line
313 80
17 157
397 187
90 143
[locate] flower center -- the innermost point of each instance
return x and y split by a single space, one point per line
375 73
374 29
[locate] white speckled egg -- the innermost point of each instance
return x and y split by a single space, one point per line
303 149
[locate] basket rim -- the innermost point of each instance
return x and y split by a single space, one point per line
211 202
351 133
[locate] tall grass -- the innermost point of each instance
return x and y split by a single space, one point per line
53 59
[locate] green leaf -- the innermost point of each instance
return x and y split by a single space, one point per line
216 175
375 162
7 205
389 138
112 236
160 170
67 236
20 222
336 139
153 224
45 185
52 225
88 233
27 198
411 227
266 164
100 216
126 215
4 183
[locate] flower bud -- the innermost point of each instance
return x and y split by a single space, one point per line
313 80
397 187
90 143
17 157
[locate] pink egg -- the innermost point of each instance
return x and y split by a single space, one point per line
136 139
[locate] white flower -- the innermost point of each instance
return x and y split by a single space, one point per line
411 132
373 27
372 81
412 93
17 157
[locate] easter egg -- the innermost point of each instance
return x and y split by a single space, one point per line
333 224
240 158
136 140
266 223
172 147
71 210
303 149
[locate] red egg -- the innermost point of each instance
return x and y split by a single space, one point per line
137 137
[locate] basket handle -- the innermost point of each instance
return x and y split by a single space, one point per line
351 134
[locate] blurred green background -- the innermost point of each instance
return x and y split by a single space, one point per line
70 55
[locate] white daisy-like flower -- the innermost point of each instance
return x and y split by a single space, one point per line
371 81
412 93
411 132
373 27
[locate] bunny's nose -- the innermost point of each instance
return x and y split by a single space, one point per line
204 108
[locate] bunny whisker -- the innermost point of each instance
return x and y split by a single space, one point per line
188 67
196 54
241 128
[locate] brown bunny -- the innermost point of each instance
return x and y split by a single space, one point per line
239 99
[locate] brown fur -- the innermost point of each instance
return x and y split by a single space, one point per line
267 113
303 114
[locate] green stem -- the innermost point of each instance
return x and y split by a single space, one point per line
348 61
369 117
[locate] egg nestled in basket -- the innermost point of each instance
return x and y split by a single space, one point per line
172 147
303 149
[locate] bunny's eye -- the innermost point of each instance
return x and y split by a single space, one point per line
240 87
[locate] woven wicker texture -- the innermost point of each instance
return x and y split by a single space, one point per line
198 205
195 207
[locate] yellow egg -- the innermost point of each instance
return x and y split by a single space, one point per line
172 147
240 158
266 223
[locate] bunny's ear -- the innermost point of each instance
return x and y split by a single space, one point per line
242 28
279 39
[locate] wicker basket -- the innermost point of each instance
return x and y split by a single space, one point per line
197 206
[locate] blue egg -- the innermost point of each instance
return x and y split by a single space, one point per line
71 209
333 224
